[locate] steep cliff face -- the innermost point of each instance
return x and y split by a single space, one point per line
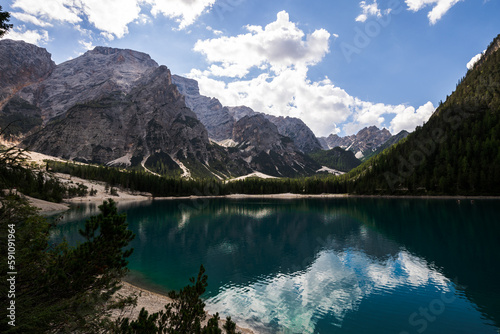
297 131
368 139
21 65
210 112
267 151
239 112
87 78
130 127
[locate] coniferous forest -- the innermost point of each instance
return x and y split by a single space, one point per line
457 152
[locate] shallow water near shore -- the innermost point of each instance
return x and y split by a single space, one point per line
338 265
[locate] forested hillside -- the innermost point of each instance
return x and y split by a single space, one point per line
456 152
336 158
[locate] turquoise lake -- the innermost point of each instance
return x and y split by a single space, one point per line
343 265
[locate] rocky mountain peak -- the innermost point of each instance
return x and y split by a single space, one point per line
21 64
124 55
186 86
267 151
374 134
256 130
210 112
86 78
240 111
298 131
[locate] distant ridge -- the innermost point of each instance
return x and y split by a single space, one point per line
366 141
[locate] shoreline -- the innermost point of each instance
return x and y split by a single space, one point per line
153 302
295 196
124 197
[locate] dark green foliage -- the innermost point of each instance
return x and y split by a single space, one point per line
457 152
4 18
162 164
336 158
212 325
187 310
32 183
229 326
184 315
60 288
162 186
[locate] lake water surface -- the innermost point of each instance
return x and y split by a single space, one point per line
346 265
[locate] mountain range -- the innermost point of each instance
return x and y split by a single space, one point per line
367 140
119 107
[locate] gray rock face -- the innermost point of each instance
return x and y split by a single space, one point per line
336 141
366 140
298 131
21 64
86 78
18 118
240 111
150 119
267 151
210 112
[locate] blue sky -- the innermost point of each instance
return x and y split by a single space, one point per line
338 65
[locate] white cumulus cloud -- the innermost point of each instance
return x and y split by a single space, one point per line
30 19
215 32
320 105
48 10
111 17
37 37
440 7
280 44
409 118
278 56
474 60
183 11
86 45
